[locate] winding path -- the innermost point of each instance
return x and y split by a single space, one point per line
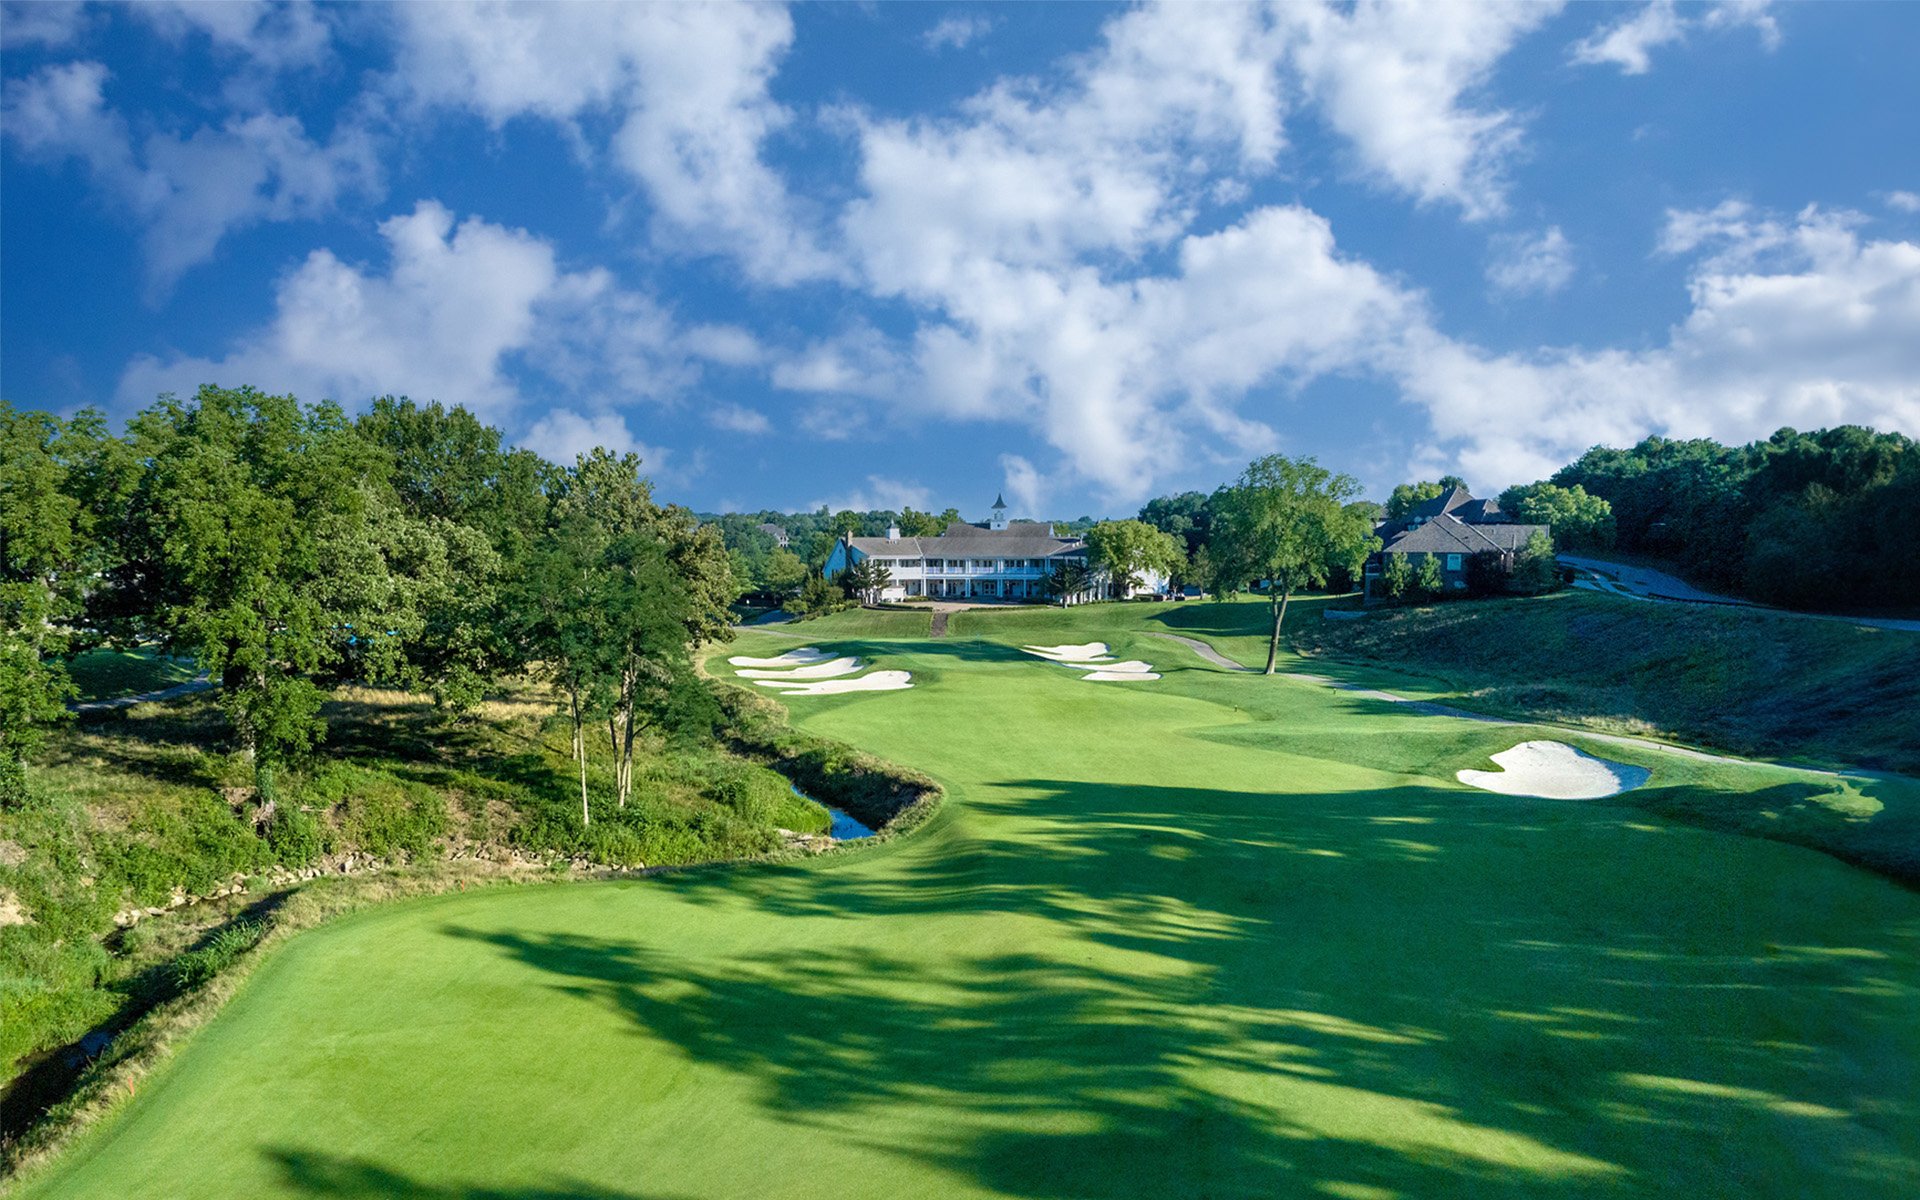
1203 650
179 689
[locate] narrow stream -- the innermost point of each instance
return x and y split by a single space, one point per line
845 828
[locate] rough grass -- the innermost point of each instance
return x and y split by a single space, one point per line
1750 682
1216 935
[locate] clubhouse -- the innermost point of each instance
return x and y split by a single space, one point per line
1001 560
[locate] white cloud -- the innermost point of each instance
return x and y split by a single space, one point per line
1025 483
1794 321
187 192
1906 202
735 418
879 494
454 303
562 435
1629 43
41 22
1391 76
858 362
273 35
689 83
1526 265
956 31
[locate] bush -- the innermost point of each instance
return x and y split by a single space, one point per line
295 837
1428 580
1396 577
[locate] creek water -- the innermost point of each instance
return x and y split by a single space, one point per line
845 827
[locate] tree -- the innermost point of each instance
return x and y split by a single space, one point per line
1286 521
784 572
1396 576
563 623
1407 496
1428 580
241 542
1128 549
1069 581
1576 517
1534 569
43 538
1187 516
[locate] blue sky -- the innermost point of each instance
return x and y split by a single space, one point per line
873 255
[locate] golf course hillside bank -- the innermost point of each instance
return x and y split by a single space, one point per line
1214 933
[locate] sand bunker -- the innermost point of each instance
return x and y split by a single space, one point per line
878 681
1555 771
1087 653
792 658
825 670
1096 660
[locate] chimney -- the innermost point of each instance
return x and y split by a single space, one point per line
893 532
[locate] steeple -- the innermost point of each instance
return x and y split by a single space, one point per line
999 520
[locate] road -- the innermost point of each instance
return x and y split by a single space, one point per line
1645 583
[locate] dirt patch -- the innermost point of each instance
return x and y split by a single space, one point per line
12 912
12 854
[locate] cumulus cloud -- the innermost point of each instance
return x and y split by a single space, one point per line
454 302
1024 482
1794 321
563 435
735 418
1528 265
188 192
956 31
1906 202
1393 77
688 84
275 35
41 22
1629 43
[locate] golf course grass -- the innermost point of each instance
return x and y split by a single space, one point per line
1214 935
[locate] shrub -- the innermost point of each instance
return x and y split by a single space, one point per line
1396 577
1428 581
195 967
294 836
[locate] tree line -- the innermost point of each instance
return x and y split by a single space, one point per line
287 548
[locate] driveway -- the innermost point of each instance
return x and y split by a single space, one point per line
1645 583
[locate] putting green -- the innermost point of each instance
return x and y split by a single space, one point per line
1215 935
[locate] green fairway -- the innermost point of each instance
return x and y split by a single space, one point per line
1216 935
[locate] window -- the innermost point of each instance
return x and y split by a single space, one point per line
1453 562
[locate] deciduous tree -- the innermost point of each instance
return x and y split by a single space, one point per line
1287 523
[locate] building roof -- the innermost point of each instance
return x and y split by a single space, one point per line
1020 539
1447 534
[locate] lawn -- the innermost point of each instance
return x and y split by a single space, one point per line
1216 935
104 673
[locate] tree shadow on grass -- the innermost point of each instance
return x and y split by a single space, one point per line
1404 990
311 1173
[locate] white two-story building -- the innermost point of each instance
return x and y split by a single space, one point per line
1002 560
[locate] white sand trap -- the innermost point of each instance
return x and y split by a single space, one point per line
1090 652
1106 676
825 670
792 658
1132 666
1555 771
878 681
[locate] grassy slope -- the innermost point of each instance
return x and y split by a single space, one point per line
1212 936
131 808
1753 683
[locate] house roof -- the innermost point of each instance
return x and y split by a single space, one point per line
1445 502
1447 534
